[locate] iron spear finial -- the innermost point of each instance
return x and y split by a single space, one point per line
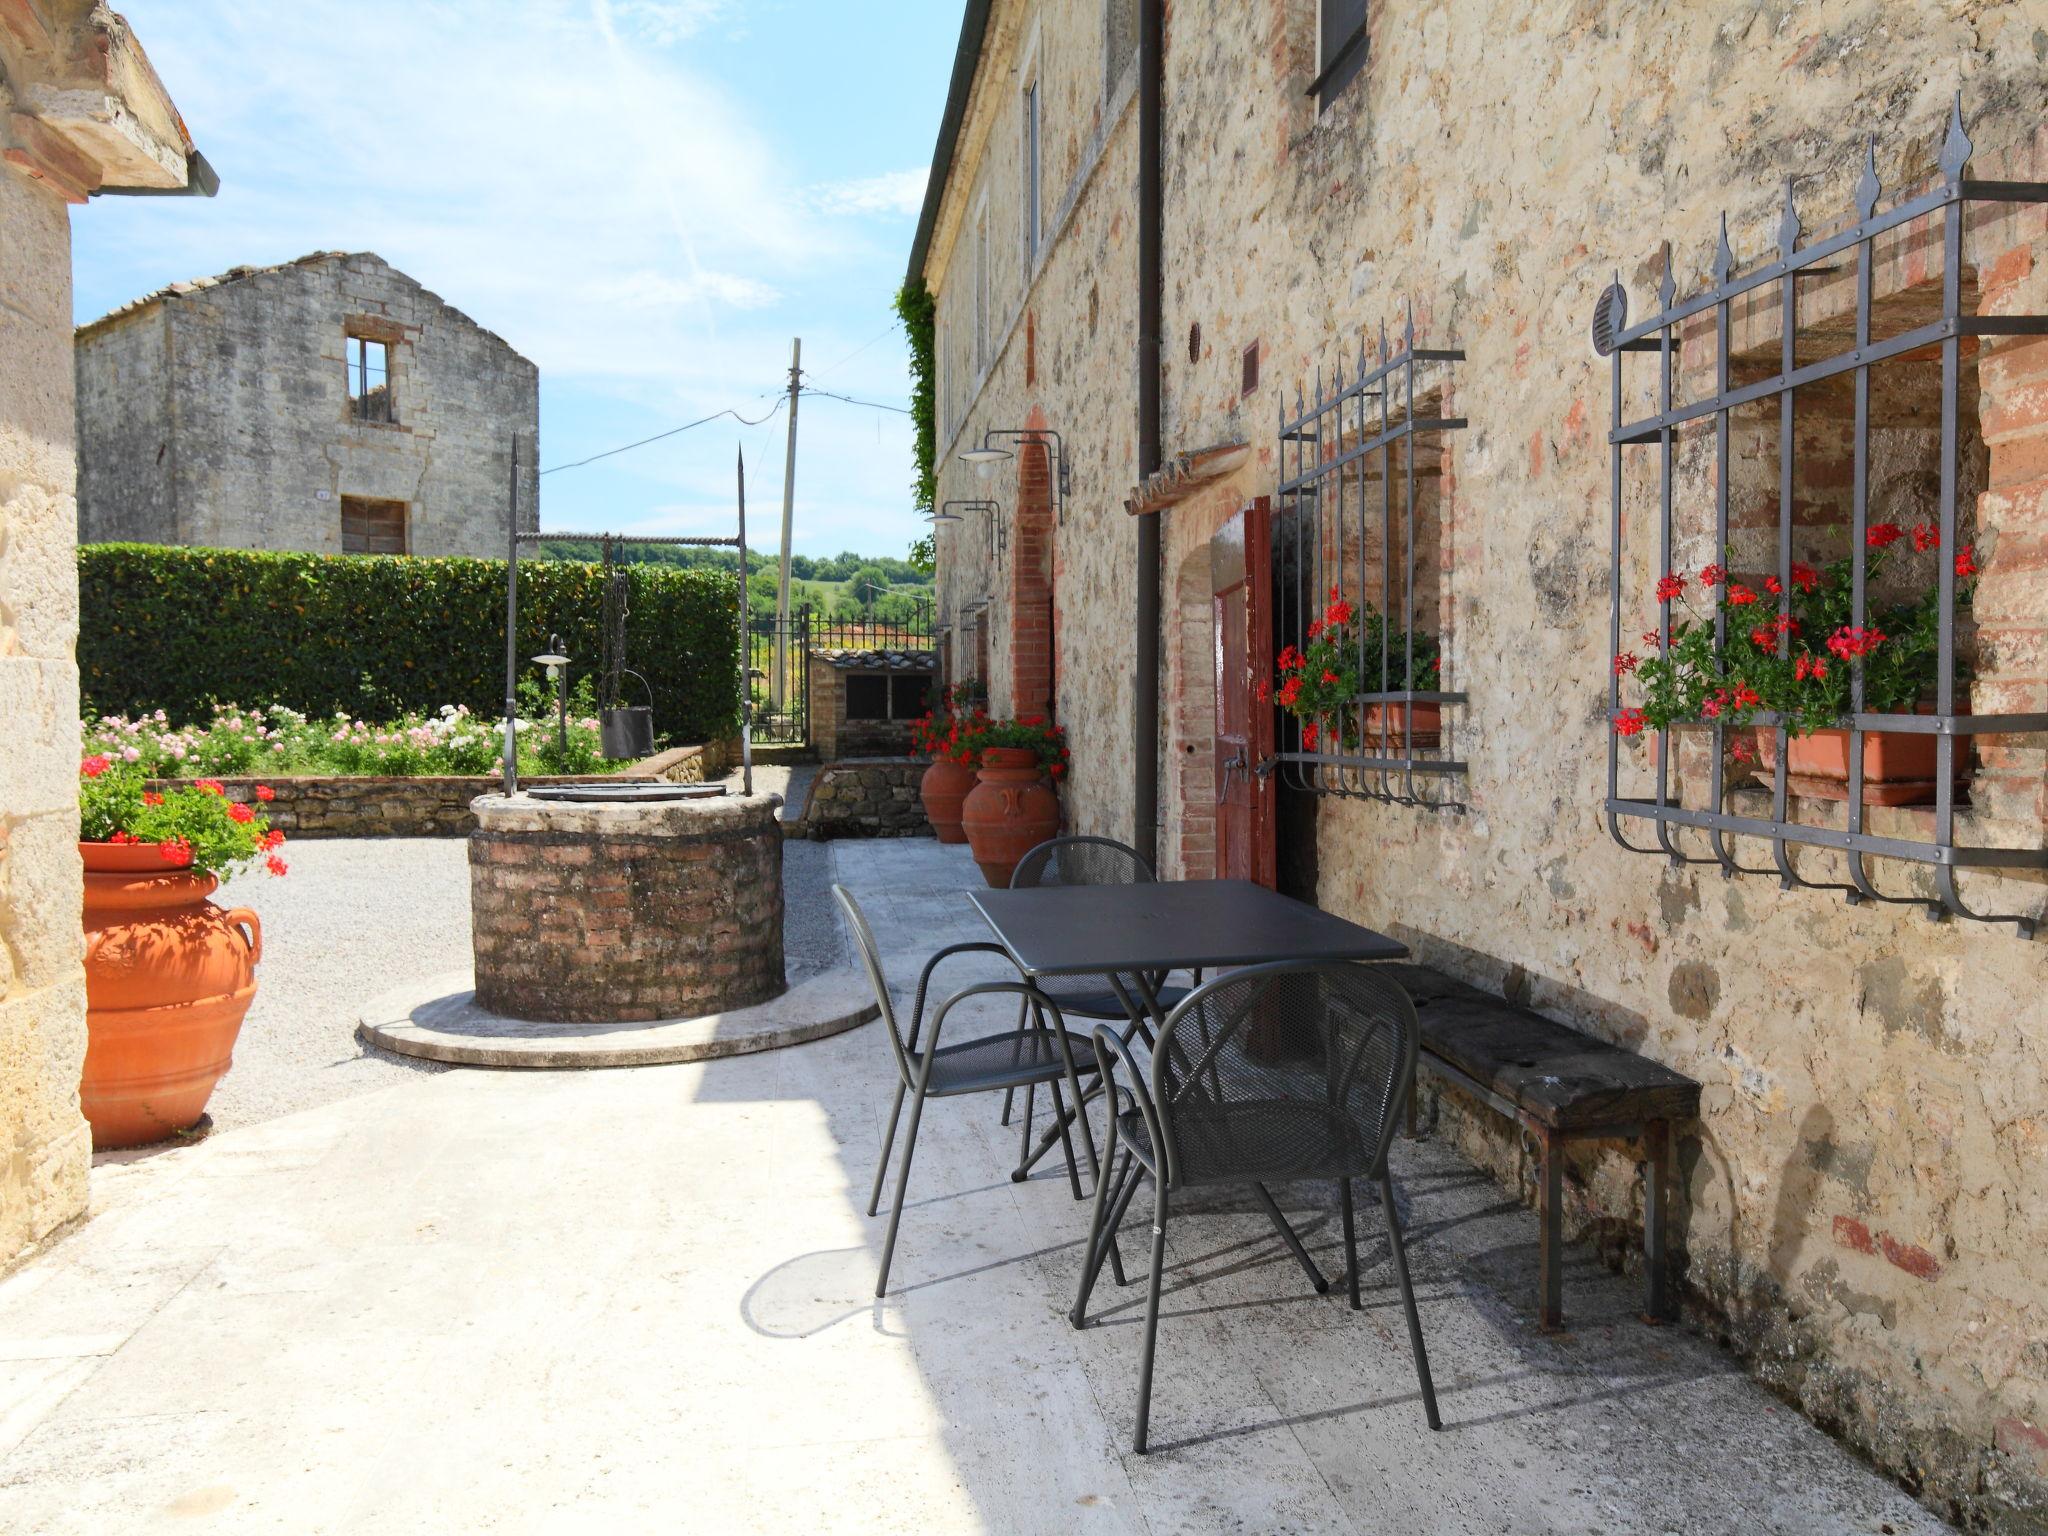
1724 258
1956 148
1788 226
1668 289
1868 187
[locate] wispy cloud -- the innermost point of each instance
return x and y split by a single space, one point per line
892 192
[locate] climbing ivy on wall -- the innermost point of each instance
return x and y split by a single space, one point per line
377 635
914 306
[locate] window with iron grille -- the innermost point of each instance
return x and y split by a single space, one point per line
368 365
1033 230
1361 593
1798 462
1340 48
372 527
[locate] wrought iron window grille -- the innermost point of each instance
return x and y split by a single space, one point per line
1331 447
1947 203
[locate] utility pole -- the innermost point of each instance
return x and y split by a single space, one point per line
781 663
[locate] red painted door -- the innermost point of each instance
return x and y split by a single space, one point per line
1241 556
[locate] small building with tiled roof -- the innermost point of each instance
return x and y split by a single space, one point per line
329 404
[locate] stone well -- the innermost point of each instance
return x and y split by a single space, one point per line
590 913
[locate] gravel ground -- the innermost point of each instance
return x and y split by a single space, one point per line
357 916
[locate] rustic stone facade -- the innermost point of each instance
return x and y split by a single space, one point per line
426 805
595 913
869 797
218 413
1863 1202
83 112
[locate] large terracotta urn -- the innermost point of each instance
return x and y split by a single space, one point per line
944 789
1009 812
168 977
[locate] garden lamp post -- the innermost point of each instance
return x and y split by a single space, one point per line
558 674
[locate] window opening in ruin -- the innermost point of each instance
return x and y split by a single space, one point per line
1119 40
1817 446
370 527
1340 48
1361 600
368 364
1249 374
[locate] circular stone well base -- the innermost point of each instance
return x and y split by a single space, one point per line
439 1019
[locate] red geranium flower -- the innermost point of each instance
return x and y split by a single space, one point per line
1926 536
211 786
1883 534
1740 596
1629 722
151 797
1739 752
265 792
242 813
95 765
1289 659
275 865
1804 576
1338 612
175 850
1773 586
1309 735
1712 574
1626 663
1331 677
1670 586
1315 628
1848 641
1966 560
1761 637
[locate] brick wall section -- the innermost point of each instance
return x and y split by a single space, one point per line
599 913
428 805
866 798
1031 585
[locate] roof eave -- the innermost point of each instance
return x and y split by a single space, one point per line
966 61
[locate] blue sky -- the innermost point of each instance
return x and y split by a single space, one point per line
648 198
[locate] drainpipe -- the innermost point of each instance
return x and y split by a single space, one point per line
1151 70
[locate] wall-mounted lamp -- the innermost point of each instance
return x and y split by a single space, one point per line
988 456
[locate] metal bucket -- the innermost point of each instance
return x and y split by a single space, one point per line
627 731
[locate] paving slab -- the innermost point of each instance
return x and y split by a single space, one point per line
620 1301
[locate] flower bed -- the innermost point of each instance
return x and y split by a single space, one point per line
277 740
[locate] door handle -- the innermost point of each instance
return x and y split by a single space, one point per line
1233 764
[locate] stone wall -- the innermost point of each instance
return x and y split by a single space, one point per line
1863 1203
597 913
426 805
869 797
68 70
216 413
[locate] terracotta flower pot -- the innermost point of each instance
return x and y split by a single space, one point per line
943 788
1898 766
1386 725
1009 812
168 978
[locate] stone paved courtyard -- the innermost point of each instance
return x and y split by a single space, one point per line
629 1300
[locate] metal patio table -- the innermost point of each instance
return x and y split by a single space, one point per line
1133 933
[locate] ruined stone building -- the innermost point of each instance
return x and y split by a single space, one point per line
328 404
84 114
1862 1207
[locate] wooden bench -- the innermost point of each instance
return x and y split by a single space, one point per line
1561 1085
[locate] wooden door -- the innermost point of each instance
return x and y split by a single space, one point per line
1241 557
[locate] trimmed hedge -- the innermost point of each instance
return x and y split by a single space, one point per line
180 629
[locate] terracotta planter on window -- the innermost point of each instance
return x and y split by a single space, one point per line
168 978
1898 766
1010 811
944 788
1386 726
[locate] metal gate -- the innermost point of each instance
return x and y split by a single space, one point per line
783 646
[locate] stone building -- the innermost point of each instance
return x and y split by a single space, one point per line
85 114
328 404
1863 1203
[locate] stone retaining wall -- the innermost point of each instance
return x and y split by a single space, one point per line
428 805
867 797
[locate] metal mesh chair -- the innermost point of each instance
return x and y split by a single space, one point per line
1085 861
927 1070
1285 1071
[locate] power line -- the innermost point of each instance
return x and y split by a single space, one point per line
873 405
672 431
